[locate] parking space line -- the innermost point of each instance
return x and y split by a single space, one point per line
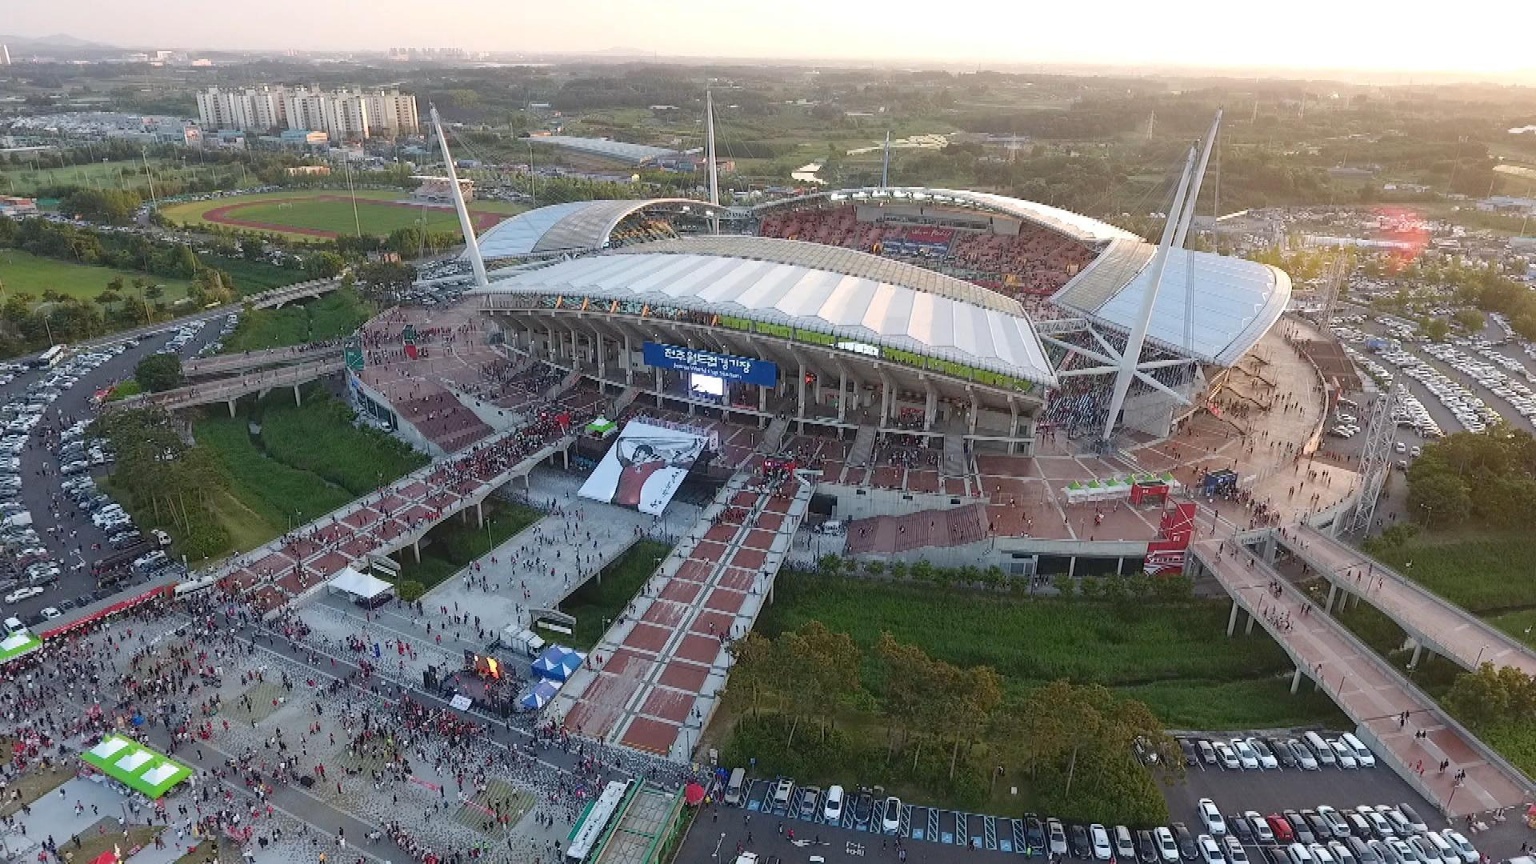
904 828
962 833
933 824
989 832
1020 837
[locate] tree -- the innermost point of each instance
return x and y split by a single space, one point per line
1436 329
751 668
907 672
159 372
1439 498
384 281
325 265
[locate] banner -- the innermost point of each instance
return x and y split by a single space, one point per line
763 373
644 467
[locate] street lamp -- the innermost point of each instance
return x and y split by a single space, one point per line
1478 663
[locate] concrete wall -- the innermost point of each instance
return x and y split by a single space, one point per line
851 504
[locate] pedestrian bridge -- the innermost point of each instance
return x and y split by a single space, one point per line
1364 685
235 364
229 390
1430 621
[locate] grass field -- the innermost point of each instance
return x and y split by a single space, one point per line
311 214
253 277
592 603
335 314
308 461
1176 658
1486 574
124 174
24 272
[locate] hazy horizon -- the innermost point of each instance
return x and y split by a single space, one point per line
1361 36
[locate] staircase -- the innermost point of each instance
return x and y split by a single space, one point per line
863 451
773 436
565 384
955 462
625 400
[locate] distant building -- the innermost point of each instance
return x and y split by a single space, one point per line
345 115
299 139
309 171
16 208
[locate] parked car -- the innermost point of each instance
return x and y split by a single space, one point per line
1211 818
1057 834
1167 846
1079 842
21 594
832 809
810 800
1188 850
890 821
1262 833
1146 847
1098 835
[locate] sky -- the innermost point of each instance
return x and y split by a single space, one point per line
1472 36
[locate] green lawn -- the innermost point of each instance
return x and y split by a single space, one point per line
338 313
1176 657
376 218
1483 573
24 272
593 602
253 277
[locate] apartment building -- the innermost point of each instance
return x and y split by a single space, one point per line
344 114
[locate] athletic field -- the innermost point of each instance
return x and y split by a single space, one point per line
325 214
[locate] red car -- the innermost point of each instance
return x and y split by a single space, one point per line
1282 828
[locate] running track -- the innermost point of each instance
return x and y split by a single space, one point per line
224 215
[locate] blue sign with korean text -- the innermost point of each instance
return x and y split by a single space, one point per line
763 373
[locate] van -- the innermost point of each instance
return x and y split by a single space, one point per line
734 788
1320 747
1363 754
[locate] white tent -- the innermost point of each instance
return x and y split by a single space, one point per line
359 585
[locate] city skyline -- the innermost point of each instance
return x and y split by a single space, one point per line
1365 35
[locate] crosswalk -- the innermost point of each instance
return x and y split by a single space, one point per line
913 822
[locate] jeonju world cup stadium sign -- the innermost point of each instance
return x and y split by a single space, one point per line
763 373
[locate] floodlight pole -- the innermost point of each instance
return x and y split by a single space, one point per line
465 225
1138 335
709 154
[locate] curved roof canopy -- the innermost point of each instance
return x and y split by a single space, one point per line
756 280
622 151
1210 307
577 226
1079 227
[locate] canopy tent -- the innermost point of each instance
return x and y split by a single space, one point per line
361 585
602 427
539 696
17 644
558 663
136 766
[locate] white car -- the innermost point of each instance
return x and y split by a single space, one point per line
1167 847
1460 845
21 594
1103 850
1342 752
832 811
1211 818
1261 829
1226 755
51 613
891 821
1246 755
1210 850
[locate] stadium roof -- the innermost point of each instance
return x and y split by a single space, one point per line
578 226
1083 228
760 280
634 154
1233 302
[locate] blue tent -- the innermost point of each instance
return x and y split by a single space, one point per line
539 696
558 663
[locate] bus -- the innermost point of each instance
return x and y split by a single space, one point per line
593 824
50 358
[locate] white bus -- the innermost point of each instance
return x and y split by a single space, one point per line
50 358
594 822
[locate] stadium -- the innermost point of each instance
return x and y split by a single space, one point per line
926 312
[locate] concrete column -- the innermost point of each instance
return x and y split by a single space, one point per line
1271 547
480 513
1232 619
602 358
1072 567
416 548
1013 426
656 374
1333 591
1248 629
931 407
762 407
629 364
1296 681
297 400
1418 649
800 400
842 395
975 413
1119 566
231 409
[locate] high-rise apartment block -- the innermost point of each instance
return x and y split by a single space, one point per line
346 115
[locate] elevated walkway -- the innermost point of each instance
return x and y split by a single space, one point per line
230 389
1432 622
234 364
1365 686
862 453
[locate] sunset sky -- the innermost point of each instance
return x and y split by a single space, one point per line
1477 36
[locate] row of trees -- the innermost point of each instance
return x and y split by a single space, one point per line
1499 466
944 725
65 242
165 481
1492 697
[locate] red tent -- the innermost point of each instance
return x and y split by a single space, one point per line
693 793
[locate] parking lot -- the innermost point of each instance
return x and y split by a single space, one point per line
54 467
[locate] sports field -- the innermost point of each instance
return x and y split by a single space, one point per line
324 214
23 272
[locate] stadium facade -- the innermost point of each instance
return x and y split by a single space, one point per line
926 311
